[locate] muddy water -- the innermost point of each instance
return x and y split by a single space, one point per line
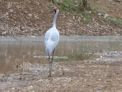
16 50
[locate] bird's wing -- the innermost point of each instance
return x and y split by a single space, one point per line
47 35
51 40
55 36
52 35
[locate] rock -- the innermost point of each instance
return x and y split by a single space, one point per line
99 14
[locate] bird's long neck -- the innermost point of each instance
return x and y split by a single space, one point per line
55 18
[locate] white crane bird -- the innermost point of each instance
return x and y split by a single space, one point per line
51 41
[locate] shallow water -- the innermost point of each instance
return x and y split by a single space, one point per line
16 50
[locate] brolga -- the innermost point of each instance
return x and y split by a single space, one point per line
51 40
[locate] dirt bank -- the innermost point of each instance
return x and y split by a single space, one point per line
28 17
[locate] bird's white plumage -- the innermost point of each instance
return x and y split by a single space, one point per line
51 40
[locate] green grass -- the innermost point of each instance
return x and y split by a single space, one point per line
69 5
74 7
115 21
80 56
87 17
75 56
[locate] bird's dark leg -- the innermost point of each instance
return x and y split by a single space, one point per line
53 54
50 63
50 66
49 58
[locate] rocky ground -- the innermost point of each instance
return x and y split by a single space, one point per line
28 17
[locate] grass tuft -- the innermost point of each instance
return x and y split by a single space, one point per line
80 56
115 21
69 5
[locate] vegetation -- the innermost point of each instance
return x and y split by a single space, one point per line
79 7
75 56
67 5
115 21
72 5
87 17
80 56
